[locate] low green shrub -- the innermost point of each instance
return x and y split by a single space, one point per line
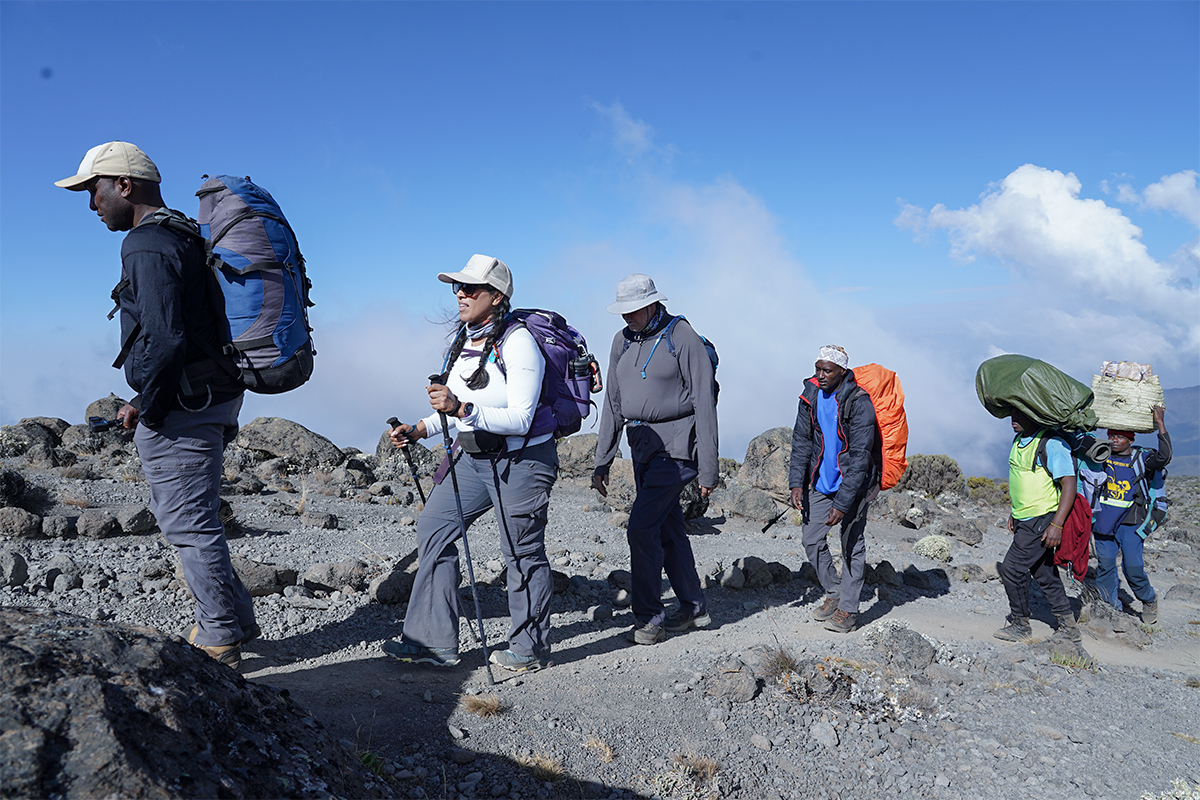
986 490
932 476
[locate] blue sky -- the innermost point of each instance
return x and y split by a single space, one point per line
928 184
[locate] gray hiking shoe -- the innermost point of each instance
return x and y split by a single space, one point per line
515 662
1067 629
1150 612
1017 630
419 654
680 622
826 609
646 633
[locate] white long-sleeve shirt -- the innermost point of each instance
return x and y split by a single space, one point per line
506 405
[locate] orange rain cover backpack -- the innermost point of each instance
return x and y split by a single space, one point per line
887 395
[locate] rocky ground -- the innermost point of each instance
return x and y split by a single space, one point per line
921 700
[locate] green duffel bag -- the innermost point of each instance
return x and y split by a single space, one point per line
1039 390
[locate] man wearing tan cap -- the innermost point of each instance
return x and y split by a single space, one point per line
186 403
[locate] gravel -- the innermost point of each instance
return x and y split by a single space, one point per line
764 703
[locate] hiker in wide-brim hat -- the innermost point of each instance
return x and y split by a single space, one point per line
665 400
491 405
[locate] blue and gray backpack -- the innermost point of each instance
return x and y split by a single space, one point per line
666 335
253 253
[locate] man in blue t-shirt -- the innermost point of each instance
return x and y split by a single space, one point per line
832 447
1121 509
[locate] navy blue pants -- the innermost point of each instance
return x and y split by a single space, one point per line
658 540
1125 543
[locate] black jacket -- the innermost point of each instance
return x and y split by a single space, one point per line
166 303
859 458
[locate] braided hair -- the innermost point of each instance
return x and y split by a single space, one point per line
479 378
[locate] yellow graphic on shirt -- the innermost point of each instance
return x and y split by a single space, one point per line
1118 490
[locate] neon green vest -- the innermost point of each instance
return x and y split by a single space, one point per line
1031 488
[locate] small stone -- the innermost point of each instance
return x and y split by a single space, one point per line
598 613
618 519
17 523
824 733
760 741
622 599
458 734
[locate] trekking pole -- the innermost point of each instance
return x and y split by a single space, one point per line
394 423
438 380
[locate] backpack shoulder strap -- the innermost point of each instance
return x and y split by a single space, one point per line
667 334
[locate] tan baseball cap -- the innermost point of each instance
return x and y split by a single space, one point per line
482 269
112 159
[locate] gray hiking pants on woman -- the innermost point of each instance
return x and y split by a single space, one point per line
182 460
519 490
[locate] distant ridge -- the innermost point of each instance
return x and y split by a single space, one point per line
1183 423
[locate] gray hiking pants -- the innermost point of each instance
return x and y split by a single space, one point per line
182 460
519 490
854 550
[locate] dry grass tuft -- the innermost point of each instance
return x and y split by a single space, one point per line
778 661
74 500
601 748
482 705
1192 683
1187 737
542 766
700 768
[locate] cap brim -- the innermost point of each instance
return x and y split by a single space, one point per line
76 183
456 277
629 306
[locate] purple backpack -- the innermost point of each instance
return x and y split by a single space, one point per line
572 373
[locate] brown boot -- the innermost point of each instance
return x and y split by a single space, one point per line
1017 630
1150 612
228 654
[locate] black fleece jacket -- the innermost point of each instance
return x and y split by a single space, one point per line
165 308
856 458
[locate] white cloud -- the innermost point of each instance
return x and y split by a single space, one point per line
631 137
1178 194
1075 250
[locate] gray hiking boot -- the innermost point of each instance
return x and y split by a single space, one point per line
1017 630
1067 629
1150 612
646 633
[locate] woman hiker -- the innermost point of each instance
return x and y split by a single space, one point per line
663 396
501 468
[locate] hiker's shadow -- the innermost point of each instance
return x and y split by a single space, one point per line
414 720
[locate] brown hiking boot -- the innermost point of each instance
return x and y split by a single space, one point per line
249 633
1150 612
841 622
1017 630
228 654
825 610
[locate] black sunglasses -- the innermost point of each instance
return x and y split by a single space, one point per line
469 289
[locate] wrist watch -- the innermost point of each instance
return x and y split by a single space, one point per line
467 409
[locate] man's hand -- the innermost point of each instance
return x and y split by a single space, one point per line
128 415
1011 524
706 491
600 484
1052 537
834 517
798 498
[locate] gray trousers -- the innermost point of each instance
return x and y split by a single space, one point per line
854 550
519 491
182 460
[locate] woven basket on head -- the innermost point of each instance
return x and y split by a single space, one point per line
1124 404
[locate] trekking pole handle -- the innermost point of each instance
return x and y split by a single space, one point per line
394 423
